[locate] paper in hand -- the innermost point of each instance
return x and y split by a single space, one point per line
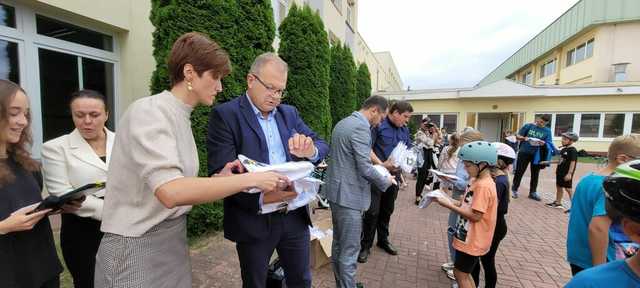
428 198
443 176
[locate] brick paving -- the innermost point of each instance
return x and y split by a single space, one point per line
531 255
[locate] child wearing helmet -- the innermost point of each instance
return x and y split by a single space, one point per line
622 202
589 242
500 174
565 169
478 210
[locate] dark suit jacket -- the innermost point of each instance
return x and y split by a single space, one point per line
234 129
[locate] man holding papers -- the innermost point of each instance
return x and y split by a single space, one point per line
258 126
391 131
347 185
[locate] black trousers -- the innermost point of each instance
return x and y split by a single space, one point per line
289 235
79 239
423 172
53 283
378 216
524 160
488 261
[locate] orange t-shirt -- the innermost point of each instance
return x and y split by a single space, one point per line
474 238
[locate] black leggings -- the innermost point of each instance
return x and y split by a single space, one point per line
423 172
488 261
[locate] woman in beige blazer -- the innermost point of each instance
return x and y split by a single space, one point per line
71 161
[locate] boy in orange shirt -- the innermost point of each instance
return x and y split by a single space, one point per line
478 210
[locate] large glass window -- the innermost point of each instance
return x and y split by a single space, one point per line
450 122
589 125
564 123
68 32
9 68
528 78
435 118
571 57
613 125
635 123
580 53
62 74
7 16
589 48
548 68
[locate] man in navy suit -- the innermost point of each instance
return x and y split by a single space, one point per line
259 127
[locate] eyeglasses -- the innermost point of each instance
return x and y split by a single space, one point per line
277 93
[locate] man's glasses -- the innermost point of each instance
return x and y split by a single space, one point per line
277 93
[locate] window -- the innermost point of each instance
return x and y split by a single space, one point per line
589 48
64 31
589 125
60 75
635 123
580 53
450 122
620 72
435 118
7 16
447 121
548 68
583 51
528 78
564 123
613 125
9 61
571 56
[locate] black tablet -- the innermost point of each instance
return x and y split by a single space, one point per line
56 202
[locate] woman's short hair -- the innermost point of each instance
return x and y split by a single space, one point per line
201 52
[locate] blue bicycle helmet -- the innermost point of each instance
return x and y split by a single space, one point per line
479 151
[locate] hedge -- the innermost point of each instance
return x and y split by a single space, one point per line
342 89
305 47
363 84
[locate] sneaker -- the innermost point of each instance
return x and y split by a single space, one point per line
447 267
418 199
535 196
450 275
554 204
514 194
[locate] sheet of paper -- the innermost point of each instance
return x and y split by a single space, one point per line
444 176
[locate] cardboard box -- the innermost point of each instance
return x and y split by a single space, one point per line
321 248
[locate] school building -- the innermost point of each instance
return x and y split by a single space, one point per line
583 70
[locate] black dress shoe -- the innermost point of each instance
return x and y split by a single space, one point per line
363 256
359 285
387 247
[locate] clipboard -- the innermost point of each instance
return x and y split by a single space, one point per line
56 202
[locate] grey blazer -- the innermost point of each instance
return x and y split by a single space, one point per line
350 169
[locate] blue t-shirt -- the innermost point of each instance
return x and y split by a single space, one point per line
386 137
533 131
613 274
587 202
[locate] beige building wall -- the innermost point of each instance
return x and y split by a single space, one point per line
128 21
388 78
530 106
613 43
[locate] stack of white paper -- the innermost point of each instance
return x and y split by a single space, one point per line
428 198
298 173
403 157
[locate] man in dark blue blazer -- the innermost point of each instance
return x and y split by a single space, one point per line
258 126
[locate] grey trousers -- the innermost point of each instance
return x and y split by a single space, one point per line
347 230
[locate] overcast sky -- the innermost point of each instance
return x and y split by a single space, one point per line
452 43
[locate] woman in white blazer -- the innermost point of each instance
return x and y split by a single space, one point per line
71 161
